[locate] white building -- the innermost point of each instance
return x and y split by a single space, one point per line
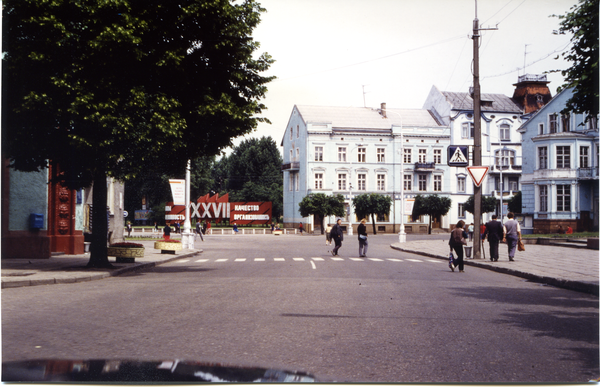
351 151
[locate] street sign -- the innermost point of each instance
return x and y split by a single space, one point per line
458 156
477 174
125 214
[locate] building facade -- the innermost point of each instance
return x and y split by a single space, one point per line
560 170
351 151
501 146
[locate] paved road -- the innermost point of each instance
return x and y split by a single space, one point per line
285 303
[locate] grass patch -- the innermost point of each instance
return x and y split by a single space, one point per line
575 235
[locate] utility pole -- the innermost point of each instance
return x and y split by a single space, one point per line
477 132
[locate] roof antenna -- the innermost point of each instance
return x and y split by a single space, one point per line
525 59
364 98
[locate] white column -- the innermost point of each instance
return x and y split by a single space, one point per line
187 237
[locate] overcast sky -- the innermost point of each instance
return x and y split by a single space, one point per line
328 51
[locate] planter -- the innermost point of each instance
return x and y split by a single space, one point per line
167 247
125 254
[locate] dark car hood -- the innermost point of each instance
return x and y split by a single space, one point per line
141 371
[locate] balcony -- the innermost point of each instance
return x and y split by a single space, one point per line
293 166
424 166
587 173
506 168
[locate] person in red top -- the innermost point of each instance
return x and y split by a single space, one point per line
481 230
569 230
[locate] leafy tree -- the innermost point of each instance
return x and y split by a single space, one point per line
488 204
582 76
515 203
109 88
433 205
372 204
321 205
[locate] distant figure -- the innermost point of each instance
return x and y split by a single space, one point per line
561 230
328 235
156 229
208 227
167 232
300 228
235 229
272 226
456 243
494 233
569 230
197 227
471 229
338 236
512 234
363 244
129 228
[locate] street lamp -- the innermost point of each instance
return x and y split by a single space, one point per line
350 231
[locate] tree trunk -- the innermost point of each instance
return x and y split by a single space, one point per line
373 221
98 248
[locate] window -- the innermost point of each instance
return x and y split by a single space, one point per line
422 155
297 154
381 155
437 156
543 198
407 156
292 180
468 130
513 183
297 131
505 132
543 157
380 182
422 182
563 198
566 122
461 184
437 183
318 153
563 157
291 133
461 210
540 129
584 160
341 181
362 155
291 155
505 157
342 154
297 175
407 182
362 182
553 121
318 181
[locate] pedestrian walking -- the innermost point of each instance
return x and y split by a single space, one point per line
338 236
156 229
494 234
129 228
235 229
456 243
328 234
471 229
208 228
512 235
167 232
300 228
363 244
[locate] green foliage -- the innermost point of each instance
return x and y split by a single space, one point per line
433 205
488 204
515 203
322 205
582 76
110 88
371 204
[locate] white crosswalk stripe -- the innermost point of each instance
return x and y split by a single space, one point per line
311 259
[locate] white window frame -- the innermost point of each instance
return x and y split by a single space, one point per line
381 182
361 181
461 184
504 129
563 198
361 155
408 180
318 153
543 198
422 155
542 157
563 160
467 130
437 183
342 154
381 155
553 123
437 156
407 156
584 156
319 180
422 183
342 181
540 128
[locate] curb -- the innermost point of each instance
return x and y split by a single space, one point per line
94 276
577 286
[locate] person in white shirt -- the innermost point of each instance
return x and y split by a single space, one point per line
512 235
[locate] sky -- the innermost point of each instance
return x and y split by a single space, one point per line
365 52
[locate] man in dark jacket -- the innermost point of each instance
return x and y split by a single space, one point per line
495 233
338 236
363 245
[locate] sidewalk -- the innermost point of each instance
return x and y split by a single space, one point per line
62 269
565 267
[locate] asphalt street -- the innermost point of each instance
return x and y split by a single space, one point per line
285 302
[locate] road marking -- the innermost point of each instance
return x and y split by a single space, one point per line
222 260
259 259
375 259
414 260
298 259
435 260
357 259
394 260
337 259
202 260
183 260
240 260
313 265
317 259
278 259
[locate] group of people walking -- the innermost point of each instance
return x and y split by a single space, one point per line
336 233
494 231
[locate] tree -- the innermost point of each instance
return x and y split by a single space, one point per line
488 204
109 88
515 204
372 204
582 76
321 205
433 205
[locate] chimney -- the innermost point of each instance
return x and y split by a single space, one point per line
383 108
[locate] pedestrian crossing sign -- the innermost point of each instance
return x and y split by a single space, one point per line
458 156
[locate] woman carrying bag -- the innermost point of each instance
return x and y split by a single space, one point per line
457 241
